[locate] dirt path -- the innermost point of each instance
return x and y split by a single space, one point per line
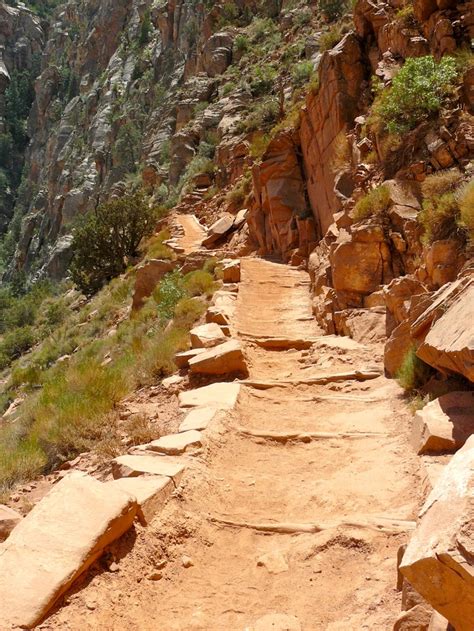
307 527
191 233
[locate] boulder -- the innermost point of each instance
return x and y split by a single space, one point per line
444 424
130 466
231 271
396 348
439 623
439 559
9 518
218 230
220 360
56 542
443 261
415 619
449 345
148 276
198 419
207 335
222 396
151 493
176 444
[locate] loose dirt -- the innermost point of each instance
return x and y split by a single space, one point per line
304 527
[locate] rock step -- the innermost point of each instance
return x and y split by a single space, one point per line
56 542
175 444
198 419
207 335
151 493
131 466
221 360
221 396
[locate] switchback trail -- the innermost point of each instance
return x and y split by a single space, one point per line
297 504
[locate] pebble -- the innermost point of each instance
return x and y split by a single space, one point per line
155 576
187 561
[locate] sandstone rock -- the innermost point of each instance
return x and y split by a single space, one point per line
222 396
439 623
218 230
217 53
182 359
275 562
176 444
438 560
415 619
148 276
9 518
444 424
57 541
198 419
129 466
362 325
357 266
207 336
449 346
443 261
172 382
220 360
396 348
231 272
150 492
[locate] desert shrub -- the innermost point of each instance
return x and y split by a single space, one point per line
341 151
157 356
228 87
157 249
466 207
29 375
106 238
17 342
199 283
262 29
168 293
375 202
188 310
439 218
417 92
413 372
241 43
263 79
406 16
302 72
263 116
332 37
441 182
333 9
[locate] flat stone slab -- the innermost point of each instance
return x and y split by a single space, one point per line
182 359
207 335
444 425
130 466
220 360
176 444
198 419
151 493
231 271
56 542
222 396
9 518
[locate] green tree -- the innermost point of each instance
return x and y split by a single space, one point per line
107 237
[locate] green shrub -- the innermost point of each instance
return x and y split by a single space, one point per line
263 79
188 310
331 38
106 238
199 283
263 117
303 17
439 217
17 342
413 372
168 293
417 92
302 72
241 189
441 182
241 43
376 202
333 9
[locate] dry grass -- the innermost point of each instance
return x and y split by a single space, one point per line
376 202
341 152
441 182
466 207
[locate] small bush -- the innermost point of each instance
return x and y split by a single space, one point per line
199 283
241 43
263 80
376 202
302 73
333 9
240 190
331 38
105 240
417 92
263 117
439 218
168 293
413 372
188 310
466 207
441 182
17 342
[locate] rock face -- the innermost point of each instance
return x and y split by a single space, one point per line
445 424
75 521
222 396
438 561
148 276
449 345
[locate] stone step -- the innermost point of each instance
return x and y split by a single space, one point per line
222 396
207 335
198 419
150 492
56 542
220 360
176 444
131 466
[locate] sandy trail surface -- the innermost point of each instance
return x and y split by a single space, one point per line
296 505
